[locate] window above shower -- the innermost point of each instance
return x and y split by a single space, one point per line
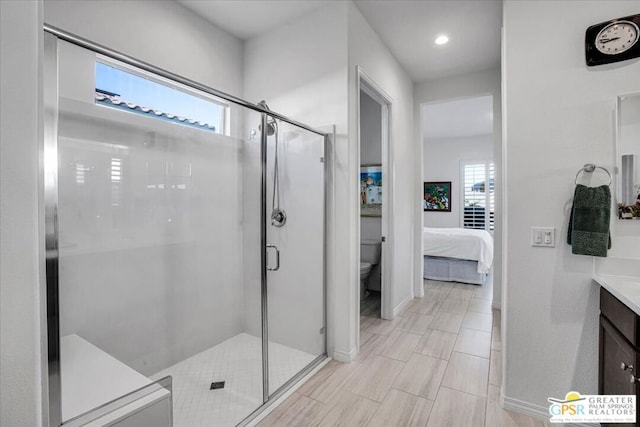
140 93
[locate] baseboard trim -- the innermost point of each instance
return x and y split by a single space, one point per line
525 408
400 308
345 357
532 410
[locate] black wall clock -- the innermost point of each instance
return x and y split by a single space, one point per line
613 41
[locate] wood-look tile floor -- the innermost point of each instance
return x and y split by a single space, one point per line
439 363
370 306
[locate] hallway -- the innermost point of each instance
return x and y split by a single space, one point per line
438 363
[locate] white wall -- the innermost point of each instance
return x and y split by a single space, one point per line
371 130
20 241
370 154
468 86
463 86
559 117
441 162
310 87
162 33
368 52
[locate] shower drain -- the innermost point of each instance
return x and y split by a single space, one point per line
216 385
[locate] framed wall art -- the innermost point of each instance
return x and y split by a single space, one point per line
437 196
371 190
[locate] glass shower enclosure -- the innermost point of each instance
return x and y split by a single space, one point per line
185 245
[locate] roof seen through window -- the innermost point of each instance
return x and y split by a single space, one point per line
133 89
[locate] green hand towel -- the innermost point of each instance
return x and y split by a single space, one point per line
589 221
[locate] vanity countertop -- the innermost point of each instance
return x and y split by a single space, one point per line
626 289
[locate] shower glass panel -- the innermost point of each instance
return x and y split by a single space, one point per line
152 215
295 255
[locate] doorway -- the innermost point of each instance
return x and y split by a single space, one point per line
374 290
462 146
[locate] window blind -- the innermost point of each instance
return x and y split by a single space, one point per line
479 196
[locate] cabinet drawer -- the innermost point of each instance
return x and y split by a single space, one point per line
621 316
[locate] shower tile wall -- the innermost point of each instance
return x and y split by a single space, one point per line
295 290
149 222
142 277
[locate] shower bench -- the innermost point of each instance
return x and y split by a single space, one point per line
96 389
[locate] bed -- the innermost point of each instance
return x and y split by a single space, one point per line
457 254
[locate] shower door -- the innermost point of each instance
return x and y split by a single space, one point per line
295 218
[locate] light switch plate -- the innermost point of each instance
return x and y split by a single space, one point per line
543 237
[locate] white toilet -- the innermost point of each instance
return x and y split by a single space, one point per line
369 257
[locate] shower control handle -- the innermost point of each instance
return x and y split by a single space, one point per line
277 267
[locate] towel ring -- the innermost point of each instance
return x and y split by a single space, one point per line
589 168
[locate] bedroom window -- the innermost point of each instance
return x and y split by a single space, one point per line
478 197
141 94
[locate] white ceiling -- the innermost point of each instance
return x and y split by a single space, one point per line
458 119
248 18
407 27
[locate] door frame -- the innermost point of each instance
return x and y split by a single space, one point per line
370 87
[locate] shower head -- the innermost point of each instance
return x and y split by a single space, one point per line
272 126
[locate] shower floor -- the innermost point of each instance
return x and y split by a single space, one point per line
238 362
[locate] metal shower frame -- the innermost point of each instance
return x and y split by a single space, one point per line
53 391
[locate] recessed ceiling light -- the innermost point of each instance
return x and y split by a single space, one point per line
442 39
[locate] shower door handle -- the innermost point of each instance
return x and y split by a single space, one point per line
277 267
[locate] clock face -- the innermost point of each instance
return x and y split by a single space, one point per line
617 37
